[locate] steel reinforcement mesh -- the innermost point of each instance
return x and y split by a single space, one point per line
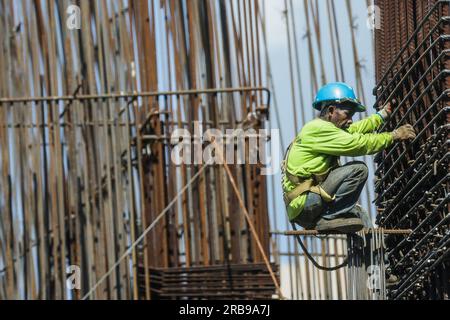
412 179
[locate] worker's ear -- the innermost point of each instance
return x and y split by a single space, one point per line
331 109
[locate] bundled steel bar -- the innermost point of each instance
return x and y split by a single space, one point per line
86 149
366 264
412 178
218 282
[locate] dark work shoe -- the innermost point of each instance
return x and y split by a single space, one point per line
340 225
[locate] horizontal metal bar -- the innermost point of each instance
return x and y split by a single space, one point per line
329 236
136 95
319 255
366 231
66 124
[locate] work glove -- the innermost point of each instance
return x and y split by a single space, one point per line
386 111
405 132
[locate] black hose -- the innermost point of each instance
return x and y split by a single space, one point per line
318 266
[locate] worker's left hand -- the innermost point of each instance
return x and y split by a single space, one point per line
386 111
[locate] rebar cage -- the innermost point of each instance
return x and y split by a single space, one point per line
412 178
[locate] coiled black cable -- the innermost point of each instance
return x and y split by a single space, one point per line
314 262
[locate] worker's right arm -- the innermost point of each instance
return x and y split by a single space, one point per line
337 142
367 125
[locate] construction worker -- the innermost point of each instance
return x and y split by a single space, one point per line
319 193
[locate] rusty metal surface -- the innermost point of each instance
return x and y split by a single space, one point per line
412 178
86 118
84 149
366 231
234 281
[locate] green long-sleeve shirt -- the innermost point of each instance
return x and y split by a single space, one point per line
320 144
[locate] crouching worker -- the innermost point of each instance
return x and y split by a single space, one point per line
319 193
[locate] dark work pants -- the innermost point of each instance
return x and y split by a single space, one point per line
346 183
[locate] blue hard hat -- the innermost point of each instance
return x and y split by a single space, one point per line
339 93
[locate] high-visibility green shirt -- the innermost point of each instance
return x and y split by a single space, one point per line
320 144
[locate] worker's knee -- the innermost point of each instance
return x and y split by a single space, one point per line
360 169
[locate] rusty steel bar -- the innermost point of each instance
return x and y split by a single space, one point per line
412 179
136 95
314 232
80 130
